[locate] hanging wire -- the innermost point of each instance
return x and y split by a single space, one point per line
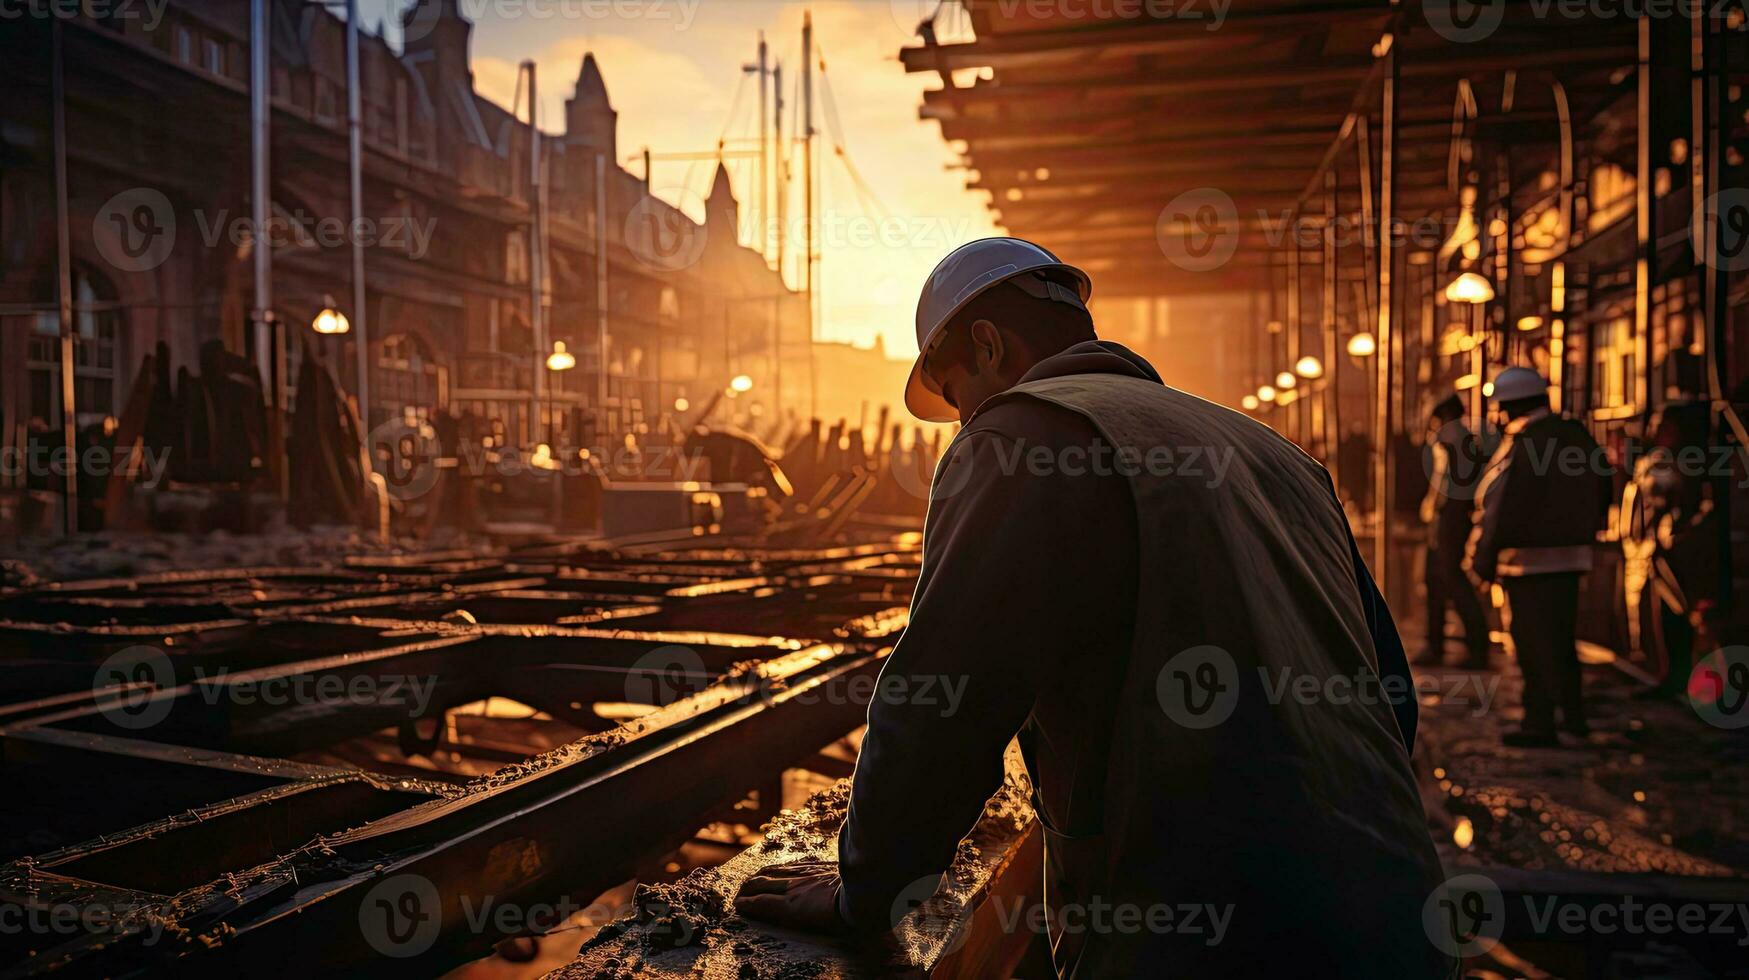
834 124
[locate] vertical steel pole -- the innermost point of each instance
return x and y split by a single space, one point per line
1645 248
1332 434
1292 327
64 282
355 155
1503 257
808 158
1386 329
536 258
781 162
764 153
601 282
269 352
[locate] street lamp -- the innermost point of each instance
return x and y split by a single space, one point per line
330 321
560 359
1266 394
1362 344
1250 403
741 384
1469 288
1309 367
1286 380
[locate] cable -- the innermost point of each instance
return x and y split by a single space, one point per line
864 191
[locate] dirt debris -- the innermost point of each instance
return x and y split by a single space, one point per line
682 913
688 928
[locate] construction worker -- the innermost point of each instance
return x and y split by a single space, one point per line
1456 464
1162 599
1542 499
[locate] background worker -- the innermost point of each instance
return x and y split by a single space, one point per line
1132 623
1541 502
1456 465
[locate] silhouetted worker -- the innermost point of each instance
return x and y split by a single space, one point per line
1456 466
1142 586
1541 501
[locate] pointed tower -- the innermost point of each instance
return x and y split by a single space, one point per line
591 124
722 212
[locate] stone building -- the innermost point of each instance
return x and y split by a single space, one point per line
158 209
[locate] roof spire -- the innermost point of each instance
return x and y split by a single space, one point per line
591 87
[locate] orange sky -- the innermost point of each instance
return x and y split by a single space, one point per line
672 68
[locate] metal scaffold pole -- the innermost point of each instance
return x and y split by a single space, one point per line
1291 328
601 288
355 157
782 164
1331 431
536 299
808 180
64 279
269 340
764 152
1387 341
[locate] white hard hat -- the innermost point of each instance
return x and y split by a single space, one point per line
1516 383
966 273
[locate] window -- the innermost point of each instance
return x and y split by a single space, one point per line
1614 364
96 358
212 56
327 100
184 46
407 383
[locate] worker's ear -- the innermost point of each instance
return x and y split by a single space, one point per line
987 346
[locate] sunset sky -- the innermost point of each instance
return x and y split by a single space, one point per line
672 69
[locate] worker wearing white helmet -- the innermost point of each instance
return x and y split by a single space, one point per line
1117 573
1539 506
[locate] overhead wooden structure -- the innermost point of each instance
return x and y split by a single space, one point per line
1106 132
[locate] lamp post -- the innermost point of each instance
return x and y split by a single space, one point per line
558 362
1326 430
1471 290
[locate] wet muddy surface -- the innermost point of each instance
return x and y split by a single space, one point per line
1652 789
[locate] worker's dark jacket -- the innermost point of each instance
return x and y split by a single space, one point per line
1099 548
1457 470
1542 500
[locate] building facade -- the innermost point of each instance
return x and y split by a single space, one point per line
654 306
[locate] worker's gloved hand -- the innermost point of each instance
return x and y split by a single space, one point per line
802 895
